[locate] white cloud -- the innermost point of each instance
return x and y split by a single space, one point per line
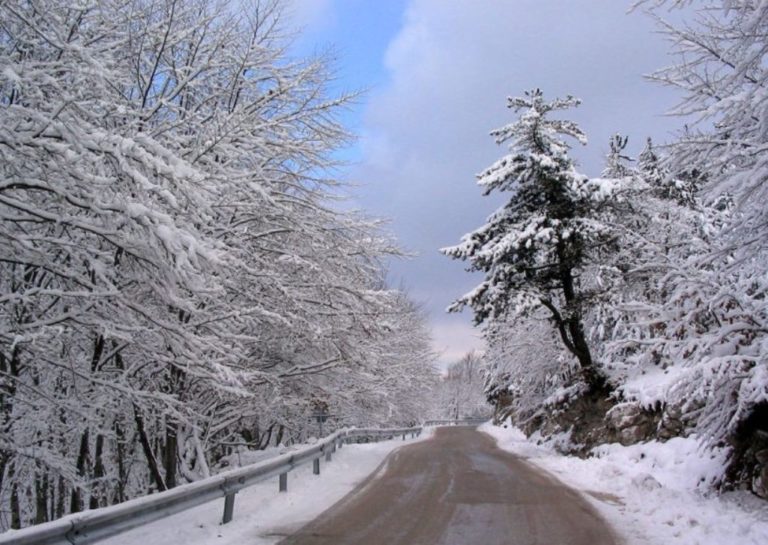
312 16
452 339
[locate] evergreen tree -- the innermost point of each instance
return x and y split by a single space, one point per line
534 249
615 161
649 165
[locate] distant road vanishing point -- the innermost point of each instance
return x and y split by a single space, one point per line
458 488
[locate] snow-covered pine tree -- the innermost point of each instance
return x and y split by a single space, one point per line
678 186
534 249
649 164
659 227
723 75
615 161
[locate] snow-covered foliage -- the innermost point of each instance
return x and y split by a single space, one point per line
174 280
676 328
723 75
678 318
460 392
524 365
716 312
535 247
662 229
676 314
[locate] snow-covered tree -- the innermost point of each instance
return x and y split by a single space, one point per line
174 279
616 161
533 250
717 299
723 76
658 227
461 389
524 367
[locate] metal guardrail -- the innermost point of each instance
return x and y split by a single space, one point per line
456 422
92 526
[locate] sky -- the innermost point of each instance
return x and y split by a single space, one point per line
437 74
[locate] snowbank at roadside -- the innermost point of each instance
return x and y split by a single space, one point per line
263 515
652 493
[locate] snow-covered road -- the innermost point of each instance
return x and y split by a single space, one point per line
458 488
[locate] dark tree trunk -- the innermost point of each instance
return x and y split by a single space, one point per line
97 490
8 366
5 457
570 326
122 476
170 454
15 506
154 468
279 438
176 386
266 437
60 498
41 498
76 503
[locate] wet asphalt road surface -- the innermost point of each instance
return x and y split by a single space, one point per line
458 488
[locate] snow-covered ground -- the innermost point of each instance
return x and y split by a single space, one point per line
262 514
652 493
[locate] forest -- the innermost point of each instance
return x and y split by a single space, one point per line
177 279
631 307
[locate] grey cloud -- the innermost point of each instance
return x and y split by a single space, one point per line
451 68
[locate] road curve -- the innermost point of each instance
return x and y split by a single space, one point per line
458 488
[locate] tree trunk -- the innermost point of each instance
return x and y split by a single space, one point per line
170 454
266 437
76 503
41 498
154 469
122 477
15 507
8 366
571 326
98 488
176 386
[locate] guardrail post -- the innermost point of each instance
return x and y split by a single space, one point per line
328 454
404 436
284 482
316 466
229 507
